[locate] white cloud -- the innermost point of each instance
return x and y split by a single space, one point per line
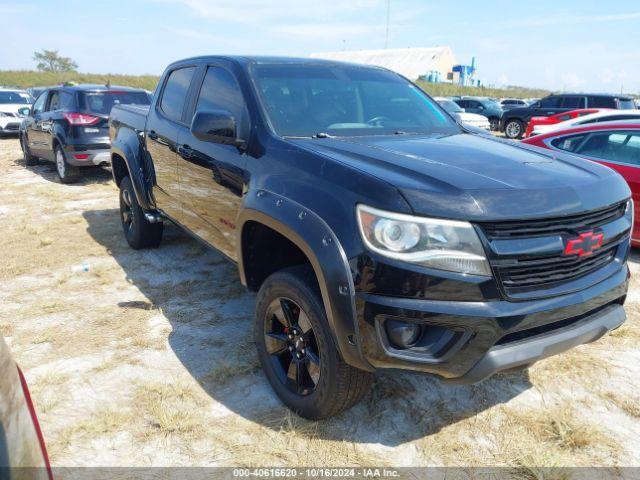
576 19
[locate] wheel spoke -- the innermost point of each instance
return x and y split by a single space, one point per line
287 310
276 343
313 357
126 216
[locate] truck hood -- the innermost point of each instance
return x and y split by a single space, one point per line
477 177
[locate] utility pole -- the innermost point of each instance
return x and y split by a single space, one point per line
386 38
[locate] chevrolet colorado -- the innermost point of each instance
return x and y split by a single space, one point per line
377 231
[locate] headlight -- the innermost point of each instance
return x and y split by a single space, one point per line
2 114
444 244
629 212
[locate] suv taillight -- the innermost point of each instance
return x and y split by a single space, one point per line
80 118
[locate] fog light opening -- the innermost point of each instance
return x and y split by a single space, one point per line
403 335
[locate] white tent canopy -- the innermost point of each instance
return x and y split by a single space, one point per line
410 62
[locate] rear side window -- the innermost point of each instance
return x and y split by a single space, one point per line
573 102
621 147
103 101
602 102
60 101
220 91
568 144
175 91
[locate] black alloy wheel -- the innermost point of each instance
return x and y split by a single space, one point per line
292 346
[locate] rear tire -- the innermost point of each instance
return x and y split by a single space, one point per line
494 124
67 173
139 232
514 129
29 159
326 385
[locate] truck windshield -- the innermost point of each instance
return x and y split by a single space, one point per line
317 100
102 102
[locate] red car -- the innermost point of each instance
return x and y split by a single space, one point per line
559 117
614 144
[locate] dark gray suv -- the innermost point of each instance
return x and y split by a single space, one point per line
514 122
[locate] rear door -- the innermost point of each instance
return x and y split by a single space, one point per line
164 122
212 175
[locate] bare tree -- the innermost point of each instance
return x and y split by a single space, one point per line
51 61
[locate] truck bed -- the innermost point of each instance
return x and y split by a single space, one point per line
133 116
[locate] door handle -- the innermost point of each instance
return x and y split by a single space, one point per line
152 135
185 151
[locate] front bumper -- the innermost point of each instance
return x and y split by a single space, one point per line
486 337
10 125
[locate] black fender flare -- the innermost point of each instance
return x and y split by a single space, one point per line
319 243
126 145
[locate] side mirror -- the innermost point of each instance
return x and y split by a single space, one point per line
215 126
480 107
24 111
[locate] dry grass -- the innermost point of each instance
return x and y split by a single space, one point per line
147 359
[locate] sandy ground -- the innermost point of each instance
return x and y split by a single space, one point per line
146 359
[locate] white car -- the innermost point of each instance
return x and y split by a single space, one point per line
603 116
14 106
508 103
471 119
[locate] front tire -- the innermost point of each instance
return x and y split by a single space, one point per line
139 232
494 124
514 129
67 173
297 350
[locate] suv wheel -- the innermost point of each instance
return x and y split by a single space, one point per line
29 159
514 129
67 173
494 124
297 351
139 232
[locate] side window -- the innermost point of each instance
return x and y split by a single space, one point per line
175 92
617 147
462 103
220 91
66 101
573 102
568 144
54 101
602 102
38 106
550 102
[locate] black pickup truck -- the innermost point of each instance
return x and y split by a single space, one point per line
377 231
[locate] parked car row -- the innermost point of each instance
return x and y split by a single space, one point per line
515 121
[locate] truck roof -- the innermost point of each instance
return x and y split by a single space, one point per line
247 59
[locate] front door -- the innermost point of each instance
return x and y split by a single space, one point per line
212 175
36 138
164 122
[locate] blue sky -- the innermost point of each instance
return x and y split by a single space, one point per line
559 45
